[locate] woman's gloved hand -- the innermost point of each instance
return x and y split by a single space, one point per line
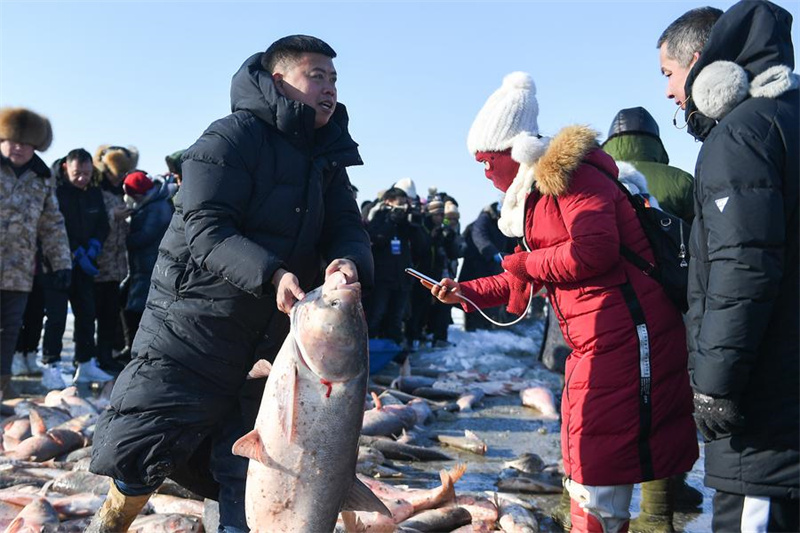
515 263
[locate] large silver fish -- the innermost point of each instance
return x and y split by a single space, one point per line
304 446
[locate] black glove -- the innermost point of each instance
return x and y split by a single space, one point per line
62 279
716 417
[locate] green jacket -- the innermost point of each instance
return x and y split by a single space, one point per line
672 187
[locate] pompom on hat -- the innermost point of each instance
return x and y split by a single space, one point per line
21 125
509 119
137 182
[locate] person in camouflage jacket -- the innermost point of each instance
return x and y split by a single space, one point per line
28 212
112 163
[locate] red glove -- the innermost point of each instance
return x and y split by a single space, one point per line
515 263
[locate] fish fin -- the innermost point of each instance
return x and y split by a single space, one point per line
377 400
287 403
405 370
360 498
38 427
352 523
17 525
261 369
449 478
471 435
250 446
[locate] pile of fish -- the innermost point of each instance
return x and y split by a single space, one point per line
45 484
399 451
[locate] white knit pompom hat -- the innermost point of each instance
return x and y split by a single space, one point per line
508 119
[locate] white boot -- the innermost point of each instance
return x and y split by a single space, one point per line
19 365
89 372
34 368
52 379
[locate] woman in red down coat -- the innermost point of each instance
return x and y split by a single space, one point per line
627 405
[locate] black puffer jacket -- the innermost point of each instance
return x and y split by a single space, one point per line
261 190
743 287
484 241
83 209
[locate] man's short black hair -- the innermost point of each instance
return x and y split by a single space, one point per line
80 155
290 48
394 193
688 34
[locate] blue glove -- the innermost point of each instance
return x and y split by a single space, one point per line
95 247
83 260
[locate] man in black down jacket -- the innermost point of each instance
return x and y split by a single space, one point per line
81 203
742 322
485 247
265 203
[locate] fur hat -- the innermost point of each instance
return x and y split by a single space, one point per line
116 159
137 183
407 184
22 125
508 119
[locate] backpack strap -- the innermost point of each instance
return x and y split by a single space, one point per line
648 268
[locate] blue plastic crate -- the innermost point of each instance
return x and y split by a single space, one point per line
381 352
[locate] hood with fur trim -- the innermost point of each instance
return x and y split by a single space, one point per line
749 54
550 173
22 125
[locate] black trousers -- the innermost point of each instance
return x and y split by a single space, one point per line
81 296
109 323
386 316
439 319
12 309
420 303
750 514
31 332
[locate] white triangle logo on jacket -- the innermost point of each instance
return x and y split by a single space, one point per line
721 203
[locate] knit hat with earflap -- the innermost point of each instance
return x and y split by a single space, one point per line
508 119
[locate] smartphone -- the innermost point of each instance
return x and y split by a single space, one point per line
421 276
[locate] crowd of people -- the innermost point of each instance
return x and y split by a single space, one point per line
266 211
422 233
80 234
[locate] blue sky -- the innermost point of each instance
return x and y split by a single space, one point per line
412 75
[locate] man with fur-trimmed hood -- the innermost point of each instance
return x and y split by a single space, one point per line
741 100
265 204
28 213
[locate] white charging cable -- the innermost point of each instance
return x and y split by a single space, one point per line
500 324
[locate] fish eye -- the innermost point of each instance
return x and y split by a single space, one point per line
335 303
